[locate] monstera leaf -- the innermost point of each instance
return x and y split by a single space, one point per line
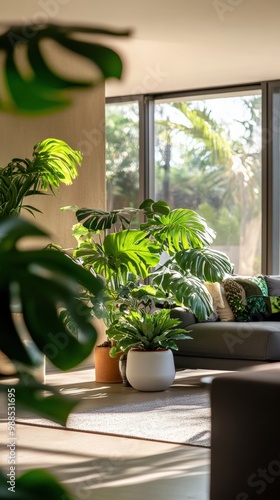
55 162
34 484
186 291
129 251
182 276
180 229
204 263
152 208
100 220
42 88
43 282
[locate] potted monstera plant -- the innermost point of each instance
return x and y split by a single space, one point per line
113 245
148 340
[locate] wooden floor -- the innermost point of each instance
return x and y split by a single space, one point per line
95 466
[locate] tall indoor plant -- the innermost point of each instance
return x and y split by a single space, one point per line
124 253
110 245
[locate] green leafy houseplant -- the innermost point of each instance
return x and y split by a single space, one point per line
53 163
122 257
43 282
145 331
181 234
147 340
119 280
110 246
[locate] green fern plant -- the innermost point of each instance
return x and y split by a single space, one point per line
145 331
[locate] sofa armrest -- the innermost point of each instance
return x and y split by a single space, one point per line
187 318
245 440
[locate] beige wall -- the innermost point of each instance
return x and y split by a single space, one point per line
82 127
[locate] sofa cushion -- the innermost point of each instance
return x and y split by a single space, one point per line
225 313
257 309
273 284
247 297
222 310
215 291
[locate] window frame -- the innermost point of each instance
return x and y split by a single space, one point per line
270 259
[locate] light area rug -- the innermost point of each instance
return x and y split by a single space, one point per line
180 415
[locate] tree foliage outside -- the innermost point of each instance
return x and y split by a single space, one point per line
122 155
213 166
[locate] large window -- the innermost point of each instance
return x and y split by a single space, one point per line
214 152
208 159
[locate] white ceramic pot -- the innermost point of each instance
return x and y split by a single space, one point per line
150 370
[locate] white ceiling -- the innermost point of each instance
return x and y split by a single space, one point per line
176 44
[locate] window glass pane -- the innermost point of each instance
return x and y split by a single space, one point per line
122 155
208 159
276 179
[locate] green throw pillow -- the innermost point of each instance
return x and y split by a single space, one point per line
247 297
257 309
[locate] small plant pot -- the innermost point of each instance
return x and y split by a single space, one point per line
150 370
106 368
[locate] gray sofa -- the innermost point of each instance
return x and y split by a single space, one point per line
244 329
228 345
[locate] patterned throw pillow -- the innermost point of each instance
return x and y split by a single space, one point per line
275 304
225 313
257 309
247 297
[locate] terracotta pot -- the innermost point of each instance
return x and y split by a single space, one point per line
106 368
150 370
